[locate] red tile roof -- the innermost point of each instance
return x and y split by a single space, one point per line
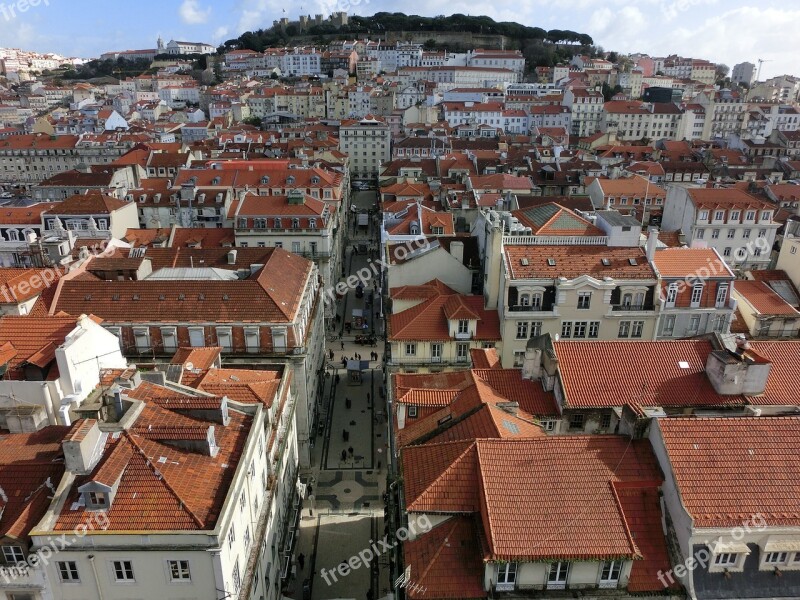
530 510
729 469
242 385
669 373
444 563
421 292
91 203
763 299
273 294
33 338
186 491
27 462
20 285
428 320
200 358
695 262
784 374
574 261
484 358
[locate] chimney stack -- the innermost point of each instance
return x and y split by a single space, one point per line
652 243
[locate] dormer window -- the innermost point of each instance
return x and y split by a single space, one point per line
216 181
463 326
265 179
290 180
312 223
278 224
95 500
703 215
315 180
295 223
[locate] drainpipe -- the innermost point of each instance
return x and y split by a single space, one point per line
96 580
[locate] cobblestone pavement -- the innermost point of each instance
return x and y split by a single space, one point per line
344 512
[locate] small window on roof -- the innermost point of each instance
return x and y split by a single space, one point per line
551 262
162 297
524 262
136 296
632 262
87 297
683 364
606 262
181 296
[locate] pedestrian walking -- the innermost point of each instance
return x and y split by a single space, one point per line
342 344
330 353
301 560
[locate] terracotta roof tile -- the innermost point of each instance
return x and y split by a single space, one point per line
27 461
763 299
684 262
574 261
667 373
428 320
444 563
728 469
539 498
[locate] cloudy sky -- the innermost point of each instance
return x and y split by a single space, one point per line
727 31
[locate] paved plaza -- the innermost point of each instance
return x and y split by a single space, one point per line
343 515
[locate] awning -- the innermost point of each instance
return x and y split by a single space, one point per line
784 545
718 547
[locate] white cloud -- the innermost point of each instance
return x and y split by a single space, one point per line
192 14
220 34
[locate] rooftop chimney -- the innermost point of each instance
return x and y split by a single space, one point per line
652 243
82 447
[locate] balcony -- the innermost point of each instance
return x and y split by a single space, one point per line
633 308
463 335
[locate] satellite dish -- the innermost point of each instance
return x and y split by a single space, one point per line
188 366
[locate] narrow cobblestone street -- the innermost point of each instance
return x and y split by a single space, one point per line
343 512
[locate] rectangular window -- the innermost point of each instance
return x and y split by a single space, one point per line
714 234
694 325
584 299
669 325
672 294
506 576
701 234
522 330
179 570
594 329
463 326
557 576
774 558
637 328
123 570
610 571
519 358
231 536
576 421
224 339
536 328
750 215
579 330
251 339
731 234
436 352
68 571
411 349
413 411
746 234
462 352
197 337
719 215
566 329
697 295
722 296
725 559
624 329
